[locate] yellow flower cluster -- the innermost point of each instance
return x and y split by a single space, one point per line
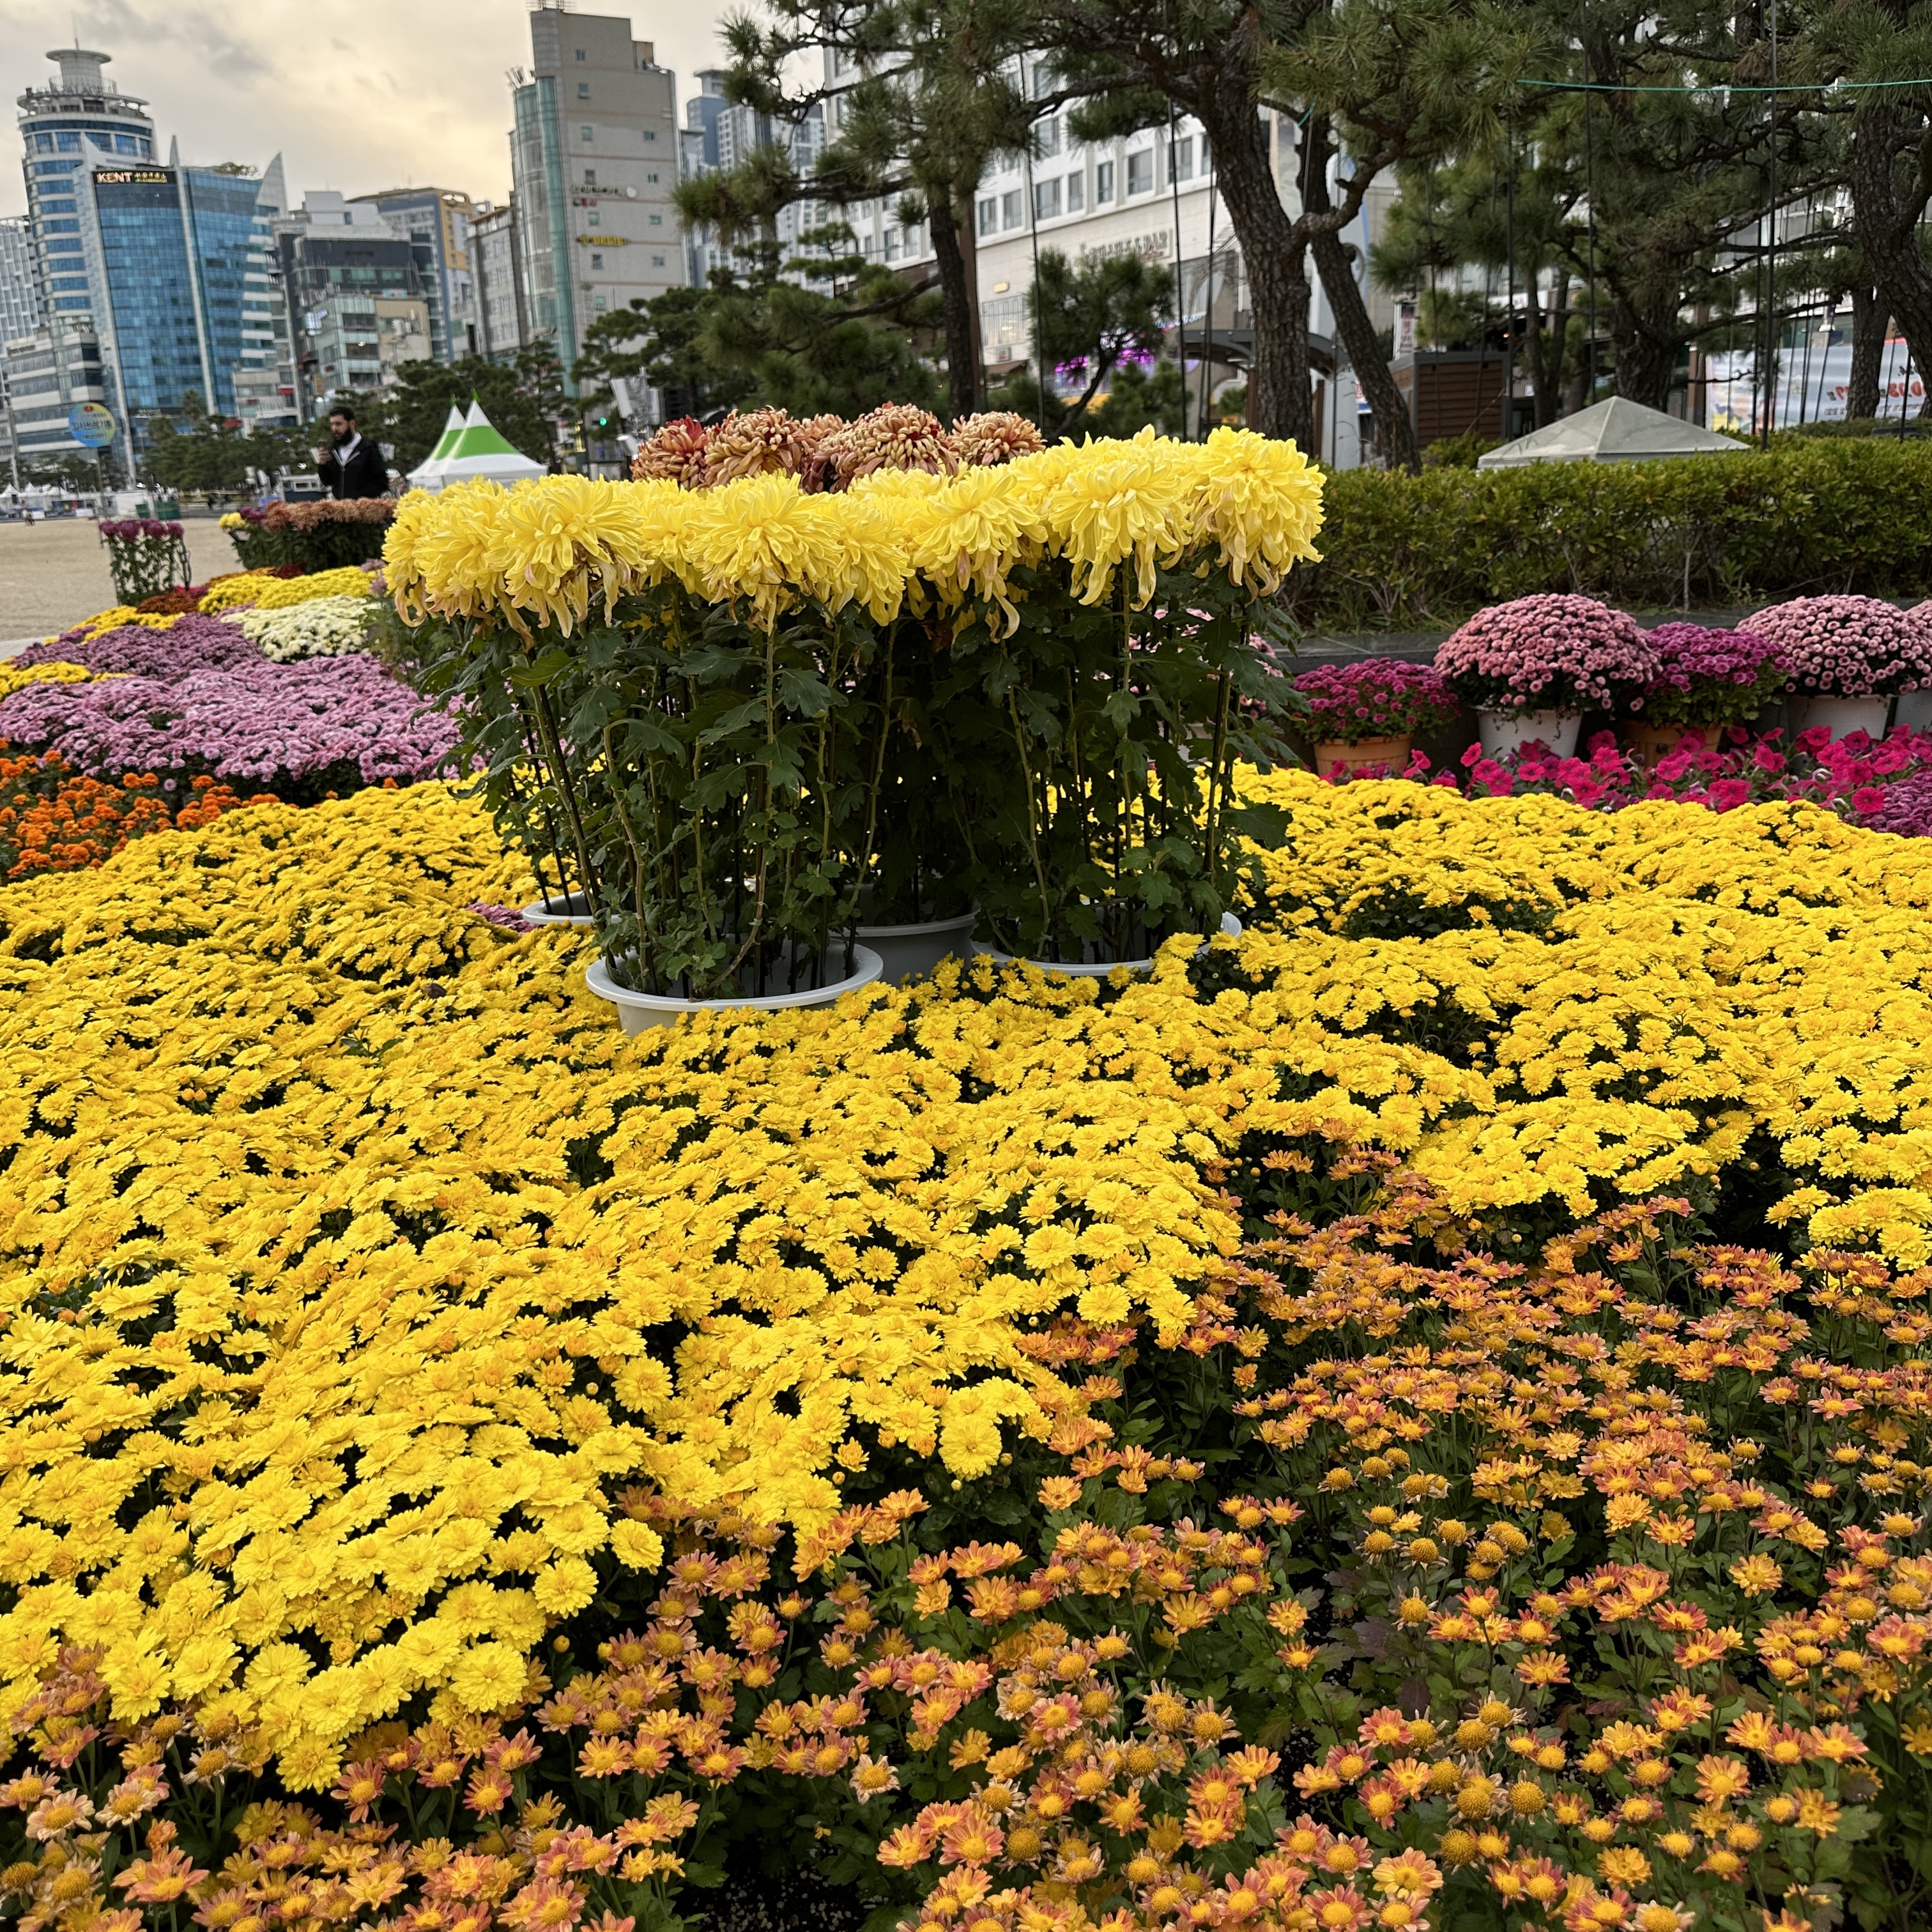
17 677
244 587
267 591
114 617
548 550
1612 1003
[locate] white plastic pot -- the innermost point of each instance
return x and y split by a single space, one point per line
1501 732
636 1011
1913 708
912 951
1230 929
1841 716
576 911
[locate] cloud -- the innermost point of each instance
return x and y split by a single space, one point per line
354 97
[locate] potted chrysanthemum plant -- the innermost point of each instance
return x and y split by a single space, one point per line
1848 657
1531 667
1114 680
1706 680
1365 716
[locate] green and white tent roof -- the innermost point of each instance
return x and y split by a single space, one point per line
470 448
1617 431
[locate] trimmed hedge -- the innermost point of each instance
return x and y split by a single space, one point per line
1405 552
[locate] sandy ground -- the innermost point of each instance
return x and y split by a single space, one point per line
52 574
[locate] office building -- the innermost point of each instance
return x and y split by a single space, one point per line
356 303
594 162
436 223
46 374
19 294
501 321
1153 193
165 264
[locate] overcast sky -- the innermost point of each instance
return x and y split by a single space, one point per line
356 96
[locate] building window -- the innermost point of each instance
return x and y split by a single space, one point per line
1180 159
657 261
602 303
590 177
1010 209
650 178
657 221
989 214
597 261
1046 200
585 132
583 90
1076 186
580 53
68 144
1140 171
650 133
1049 137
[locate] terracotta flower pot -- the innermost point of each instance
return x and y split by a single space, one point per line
1332 755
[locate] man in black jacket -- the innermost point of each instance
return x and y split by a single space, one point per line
351 466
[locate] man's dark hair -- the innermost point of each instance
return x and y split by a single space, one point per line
348 415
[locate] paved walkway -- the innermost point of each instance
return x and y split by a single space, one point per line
52 574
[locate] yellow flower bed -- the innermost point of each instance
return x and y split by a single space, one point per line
267 591
358 1265
17 677
113 618
1675 983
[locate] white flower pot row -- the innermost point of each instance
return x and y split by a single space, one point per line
895 954
1502 732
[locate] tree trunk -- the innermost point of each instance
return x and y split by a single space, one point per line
1889 196
1645 349
1276 257
1394 432
1547 345
956 305
1868 321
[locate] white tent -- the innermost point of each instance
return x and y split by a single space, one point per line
469 449
1617 431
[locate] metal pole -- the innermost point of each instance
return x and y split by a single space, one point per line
1180 275
1509 256
1770 254
1207 316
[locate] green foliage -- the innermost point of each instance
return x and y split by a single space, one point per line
198 452
1141 396
1112 737
1088 318
773 341
1812 514
1457 452
523 398
661 341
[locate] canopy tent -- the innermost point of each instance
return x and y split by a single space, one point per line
1617 431
469 449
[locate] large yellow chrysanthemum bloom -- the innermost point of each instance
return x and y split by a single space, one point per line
1123 506
1260 501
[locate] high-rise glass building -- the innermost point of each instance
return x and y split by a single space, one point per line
594 160
164 265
